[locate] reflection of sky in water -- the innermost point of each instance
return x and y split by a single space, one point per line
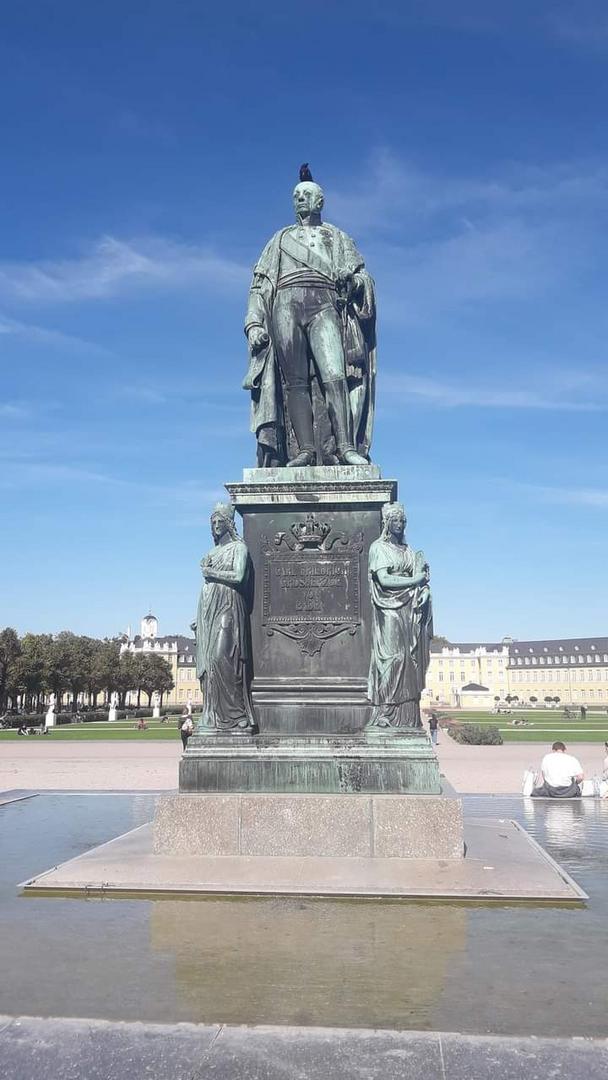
369 963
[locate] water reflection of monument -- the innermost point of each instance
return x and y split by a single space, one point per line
309 962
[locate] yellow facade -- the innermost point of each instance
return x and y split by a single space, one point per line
179 653
574 669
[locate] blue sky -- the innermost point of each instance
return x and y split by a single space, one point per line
148 152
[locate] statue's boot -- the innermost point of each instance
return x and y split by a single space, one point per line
353 457
302 461
338 407
300 414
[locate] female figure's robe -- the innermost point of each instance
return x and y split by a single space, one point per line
223 651
402 628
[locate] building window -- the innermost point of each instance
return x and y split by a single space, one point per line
440 676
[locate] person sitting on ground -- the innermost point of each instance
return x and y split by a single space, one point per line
562 775
605 765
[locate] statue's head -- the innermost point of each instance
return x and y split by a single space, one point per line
308 198
393 519
222 521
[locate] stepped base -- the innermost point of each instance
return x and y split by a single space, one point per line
403 763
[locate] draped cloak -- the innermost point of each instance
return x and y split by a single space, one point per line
223 651
402 629
269 418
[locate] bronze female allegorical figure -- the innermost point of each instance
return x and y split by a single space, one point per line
402 626
223 650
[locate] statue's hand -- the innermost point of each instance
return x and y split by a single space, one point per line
343 278
258 338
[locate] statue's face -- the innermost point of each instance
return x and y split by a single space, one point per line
307 198
396 523
219 526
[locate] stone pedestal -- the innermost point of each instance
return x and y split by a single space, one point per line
402 763
309 826
308 532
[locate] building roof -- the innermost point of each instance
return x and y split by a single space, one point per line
475 686
182 643
468 646
555 645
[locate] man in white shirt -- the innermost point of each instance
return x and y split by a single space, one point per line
562 774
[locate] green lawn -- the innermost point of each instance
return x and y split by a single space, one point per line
545 725
104 730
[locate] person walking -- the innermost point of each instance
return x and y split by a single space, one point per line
186 728
433 725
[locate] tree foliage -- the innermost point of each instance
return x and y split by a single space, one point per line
37 665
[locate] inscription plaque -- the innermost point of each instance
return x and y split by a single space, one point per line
311 584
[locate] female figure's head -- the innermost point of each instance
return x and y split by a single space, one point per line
222 522
393 521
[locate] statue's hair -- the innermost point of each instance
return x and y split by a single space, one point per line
226 511
388 511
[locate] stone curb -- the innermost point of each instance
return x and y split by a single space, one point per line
72 1049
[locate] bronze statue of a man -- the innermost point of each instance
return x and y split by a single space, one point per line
311 331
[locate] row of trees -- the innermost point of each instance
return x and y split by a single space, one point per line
37 665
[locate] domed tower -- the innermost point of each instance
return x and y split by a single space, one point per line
149 627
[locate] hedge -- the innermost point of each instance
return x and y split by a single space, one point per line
476 735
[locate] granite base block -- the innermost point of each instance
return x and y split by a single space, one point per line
331 826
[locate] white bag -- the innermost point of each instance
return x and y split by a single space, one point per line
528 782
588 788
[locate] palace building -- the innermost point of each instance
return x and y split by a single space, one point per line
575 670
466 674
180 654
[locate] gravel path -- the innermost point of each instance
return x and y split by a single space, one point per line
131 766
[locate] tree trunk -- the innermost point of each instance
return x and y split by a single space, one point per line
138 696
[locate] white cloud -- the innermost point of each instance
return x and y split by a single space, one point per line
12 411
576 496
437 242
564 392
113 266
398 195
40 335
17 474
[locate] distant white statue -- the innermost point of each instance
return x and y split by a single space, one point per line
113 714
50 719
156 708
